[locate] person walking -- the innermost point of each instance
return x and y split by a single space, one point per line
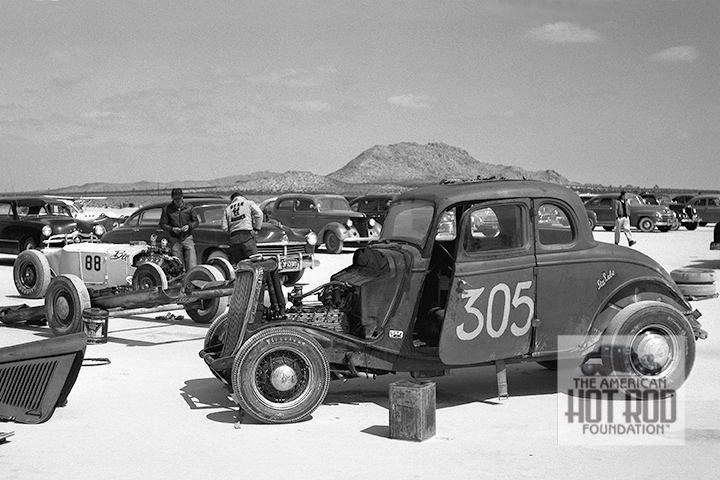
179 219
622 219
243 219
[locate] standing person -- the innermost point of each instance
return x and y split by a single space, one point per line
243 219
179 219
622 219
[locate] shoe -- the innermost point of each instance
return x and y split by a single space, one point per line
632 242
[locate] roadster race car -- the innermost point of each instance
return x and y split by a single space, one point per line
91 274
437 292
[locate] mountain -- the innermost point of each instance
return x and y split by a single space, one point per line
380 169
412 164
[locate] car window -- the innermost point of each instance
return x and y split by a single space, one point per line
634 200
409 222
330 203
304 205
212 215
494 228
286 204
151 216
605 202
554 227
369 206
5 209
714 202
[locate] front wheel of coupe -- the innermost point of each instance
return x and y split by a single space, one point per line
280 375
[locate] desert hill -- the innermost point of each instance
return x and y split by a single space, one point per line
380 169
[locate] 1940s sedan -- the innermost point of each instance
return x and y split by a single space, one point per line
437 292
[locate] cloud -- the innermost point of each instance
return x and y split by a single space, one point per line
682 53
563 32
412 101
291 77
310 106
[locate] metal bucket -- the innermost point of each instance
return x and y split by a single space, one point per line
95 325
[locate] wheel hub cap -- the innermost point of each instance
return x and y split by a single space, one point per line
62 307
283 378
653 351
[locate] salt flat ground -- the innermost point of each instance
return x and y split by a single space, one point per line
157 412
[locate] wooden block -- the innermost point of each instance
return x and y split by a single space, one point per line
412 410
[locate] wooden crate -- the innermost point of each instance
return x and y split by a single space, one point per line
412 410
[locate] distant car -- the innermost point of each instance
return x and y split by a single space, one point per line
33 222
683 199
294 248
686 214
642 216
329 216
373 206
708 208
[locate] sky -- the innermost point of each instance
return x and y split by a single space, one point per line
615 92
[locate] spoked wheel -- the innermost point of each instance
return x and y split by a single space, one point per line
333 244
649 340
65 300
31 273
206 310
280 375
149 275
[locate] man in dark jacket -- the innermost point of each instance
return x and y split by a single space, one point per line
179 220
622 219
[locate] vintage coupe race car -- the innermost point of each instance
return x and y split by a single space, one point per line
442 290
79 275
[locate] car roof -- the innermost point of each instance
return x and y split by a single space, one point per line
450 193
196 202
312 195
32 201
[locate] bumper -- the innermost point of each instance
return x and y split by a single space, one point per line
351 236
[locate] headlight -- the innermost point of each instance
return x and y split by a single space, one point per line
311 238
47 230
348 223
99 230
371 222
164 243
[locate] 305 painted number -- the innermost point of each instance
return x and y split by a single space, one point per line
474 295
93 262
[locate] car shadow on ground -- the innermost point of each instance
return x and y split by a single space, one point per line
210 394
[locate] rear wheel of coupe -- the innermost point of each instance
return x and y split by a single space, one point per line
646 224
649 341
65 300
149 275
31 273
280 375
333 244
691 226
206 310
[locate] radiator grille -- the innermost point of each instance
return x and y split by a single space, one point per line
24 386
269 250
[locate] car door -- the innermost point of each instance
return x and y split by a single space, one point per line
8 237
491 303
561 279
306 214
603 207
712 210
147 225
284 211
700 205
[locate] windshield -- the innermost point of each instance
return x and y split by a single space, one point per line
332 203
408 221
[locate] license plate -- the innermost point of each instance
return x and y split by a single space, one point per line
289 264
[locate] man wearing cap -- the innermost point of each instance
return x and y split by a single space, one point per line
622 219
243 219
179 220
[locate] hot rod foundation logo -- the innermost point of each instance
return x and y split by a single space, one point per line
642 404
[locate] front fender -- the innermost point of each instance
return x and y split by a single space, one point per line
337 228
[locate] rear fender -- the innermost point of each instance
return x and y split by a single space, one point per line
636 291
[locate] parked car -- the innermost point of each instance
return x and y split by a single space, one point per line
435 294
683 199
642 216
707 206
295 248
373 206
32 222
329 216
686 214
